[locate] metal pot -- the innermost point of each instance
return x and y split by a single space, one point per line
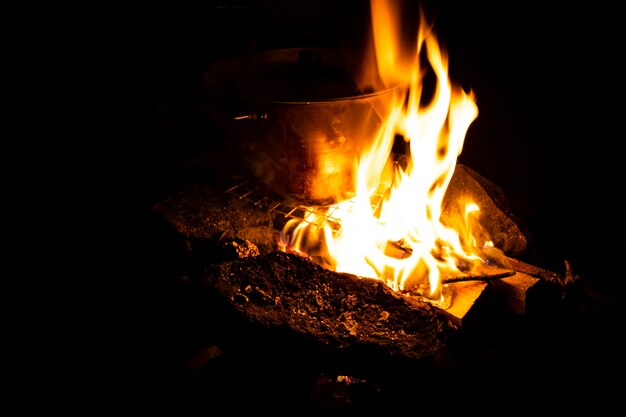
300 119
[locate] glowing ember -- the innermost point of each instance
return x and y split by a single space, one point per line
402 239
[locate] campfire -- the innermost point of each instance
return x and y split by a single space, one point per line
364 254
389 215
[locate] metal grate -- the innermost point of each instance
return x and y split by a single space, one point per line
324 215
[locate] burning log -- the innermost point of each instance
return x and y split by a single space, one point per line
496 217
332 313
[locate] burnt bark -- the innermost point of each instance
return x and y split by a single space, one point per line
330 313
209 219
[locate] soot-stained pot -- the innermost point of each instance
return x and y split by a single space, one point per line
300 118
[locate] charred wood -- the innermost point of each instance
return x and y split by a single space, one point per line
210 220
333 314
560 280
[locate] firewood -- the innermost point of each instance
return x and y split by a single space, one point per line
532 284
461 294
207 217
283 292
551 277
495 217
512 291
497 274
463 297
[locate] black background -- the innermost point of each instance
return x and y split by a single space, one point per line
547 81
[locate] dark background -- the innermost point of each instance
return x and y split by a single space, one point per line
548 86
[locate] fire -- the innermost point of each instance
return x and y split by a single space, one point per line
392 229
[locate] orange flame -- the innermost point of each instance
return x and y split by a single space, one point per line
391 229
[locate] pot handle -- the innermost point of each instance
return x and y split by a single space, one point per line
251 116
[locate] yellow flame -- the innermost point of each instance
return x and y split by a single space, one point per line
391 229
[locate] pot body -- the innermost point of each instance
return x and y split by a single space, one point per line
300 121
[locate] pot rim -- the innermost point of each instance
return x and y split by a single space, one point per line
347 98
236 69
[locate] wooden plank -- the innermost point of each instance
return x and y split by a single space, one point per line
512 291
460 298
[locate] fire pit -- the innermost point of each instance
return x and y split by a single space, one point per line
260 308
278 328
